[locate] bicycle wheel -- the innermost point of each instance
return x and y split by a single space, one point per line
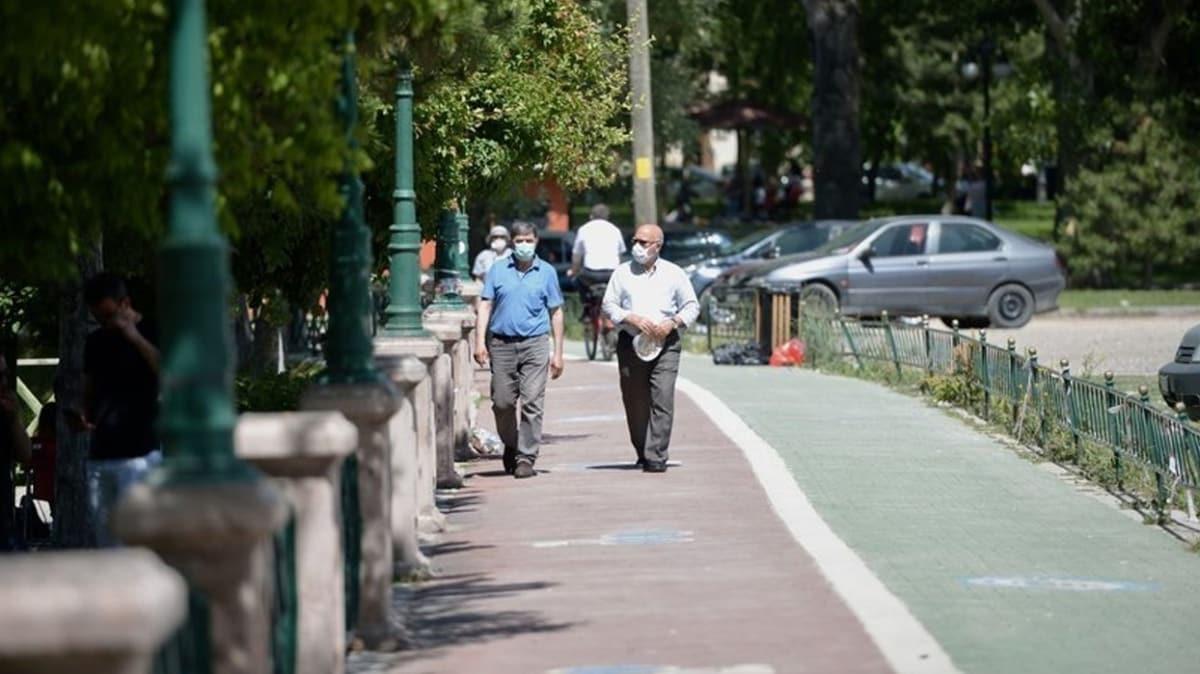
590 338
608 345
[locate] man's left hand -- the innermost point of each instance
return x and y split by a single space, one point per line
556 366
665 328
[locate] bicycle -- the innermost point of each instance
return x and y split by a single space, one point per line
598 332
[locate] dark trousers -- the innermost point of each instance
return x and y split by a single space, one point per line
648 392
519 372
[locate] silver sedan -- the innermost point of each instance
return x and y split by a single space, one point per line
955 267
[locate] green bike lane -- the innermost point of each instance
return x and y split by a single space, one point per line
1007 565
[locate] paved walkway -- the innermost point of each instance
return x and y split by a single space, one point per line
911 538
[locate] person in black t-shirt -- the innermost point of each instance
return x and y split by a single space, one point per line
120 382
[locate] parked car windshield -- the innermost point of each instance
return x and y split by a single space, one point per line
747 242
685 245
849 238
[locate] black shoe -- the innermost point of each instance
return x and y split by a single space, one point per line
510 460
524 469
654 467
640 463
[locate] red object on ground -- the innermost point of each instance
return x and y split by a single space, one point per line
790 352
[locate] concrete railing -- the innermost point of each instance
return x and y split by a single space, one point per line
302 452
101 612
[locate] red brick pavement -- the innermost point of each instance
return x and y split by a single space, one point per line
594 568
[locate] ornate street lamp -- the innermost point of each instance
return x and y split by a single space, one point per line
402 318
197 357
349 352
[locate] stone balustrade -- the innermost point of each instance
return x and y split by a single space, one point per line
302 452
95 611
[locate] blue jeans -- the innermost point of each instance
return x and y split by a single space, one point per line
107 481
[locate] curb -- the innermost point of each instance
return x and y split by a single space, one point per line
1128 312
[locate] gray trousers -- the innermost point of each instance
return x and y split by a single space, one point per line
648 392
519 372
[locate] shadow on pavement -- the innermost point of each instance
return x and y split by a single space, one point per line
441 614
614 466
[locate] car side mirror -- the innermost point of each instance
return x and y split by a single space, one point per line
866 254
772 253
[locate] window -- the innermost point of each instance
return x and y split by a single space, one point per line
800 239
962 237
901 240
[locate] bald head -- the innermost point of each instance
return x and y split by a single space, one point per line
649 233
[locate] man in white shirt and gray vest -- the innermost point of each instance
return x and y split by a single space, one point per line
653 302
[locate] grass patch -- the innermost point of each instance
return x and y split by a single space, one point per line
1106 299
1033 219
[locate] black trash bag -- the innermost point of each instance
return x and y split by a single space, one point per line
740 353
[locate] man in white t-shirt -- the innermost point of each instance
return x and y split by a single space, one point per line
598 248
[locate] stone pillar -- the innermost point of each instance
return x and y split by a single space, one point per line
101 612
218 535
406 372
370 408
452 384
470 292
391 352
302 452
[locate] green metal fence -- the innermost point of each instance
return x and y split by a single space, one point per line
351 538
1069 418
188 651
285 616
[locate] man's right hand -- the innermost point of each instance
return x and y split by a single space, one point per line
481 355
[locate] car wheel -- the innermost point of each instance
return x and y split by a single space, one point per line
818 297
1010 306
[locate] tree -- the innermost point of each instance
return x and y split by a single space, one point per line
1137 215
529 89
837 151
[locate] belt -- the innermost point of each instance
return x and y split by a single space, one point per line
509 339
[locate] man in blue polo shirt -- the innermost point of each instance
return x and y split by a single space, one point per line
519 306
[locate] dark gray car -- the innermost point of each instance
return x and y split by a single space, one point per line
1179 380
948 266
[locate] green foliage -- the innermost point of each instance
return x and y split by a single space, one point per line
507 90
526 89
1137 214
274 392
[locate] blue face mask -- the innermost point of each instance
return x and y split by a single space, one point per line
524 251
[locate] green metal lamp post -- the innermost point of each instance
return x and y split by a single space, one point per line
197 357
464 231
402 318
349 353
446 266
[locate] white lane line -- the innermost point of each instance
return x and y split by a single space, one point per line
901 638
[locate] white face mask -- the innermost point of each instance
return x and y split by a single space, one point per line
524 251
499 245
641 254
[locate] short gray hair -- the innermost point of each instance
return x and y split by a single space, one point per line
520 227
600 212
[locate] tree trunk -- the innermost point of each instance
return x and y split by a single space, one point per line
837 151
72 525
